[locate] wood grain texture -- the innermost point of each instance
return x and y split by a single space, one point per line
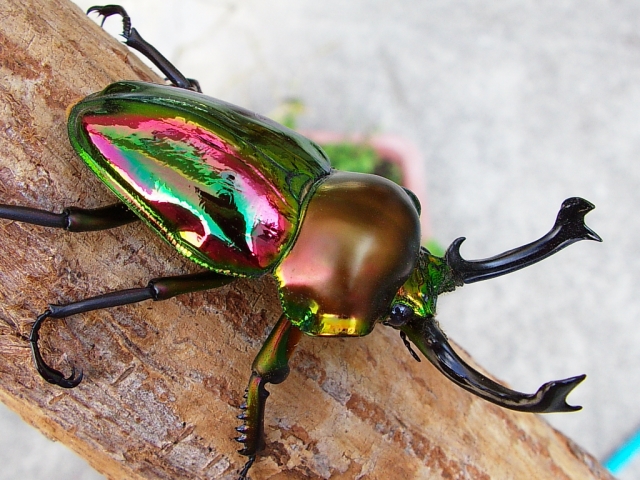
163 380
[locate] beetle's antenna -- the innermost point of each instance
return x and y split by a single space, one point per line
568 228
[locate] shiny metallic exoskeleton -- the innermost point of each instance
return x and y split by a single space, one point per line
243 196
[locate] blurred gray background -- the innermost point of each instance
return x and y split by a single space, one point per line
514 105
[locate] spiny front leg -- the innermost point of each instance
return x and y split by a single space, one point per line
271 365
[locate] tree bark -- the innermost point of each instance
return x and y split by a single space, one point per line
163 381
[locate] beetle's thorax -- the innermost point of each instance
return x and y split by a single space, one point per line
358 243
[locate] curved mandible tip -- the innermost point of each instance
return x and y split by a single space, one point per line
568 228
570 220
554 395
51 375
431 341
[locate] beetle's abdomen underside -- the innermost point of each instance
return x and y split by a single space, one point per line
359 242
225 199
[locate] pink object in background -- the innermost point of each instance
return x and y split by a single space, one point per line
393 148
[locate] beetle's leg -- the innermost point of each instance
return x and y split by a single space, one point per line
568 228
247 466
157 289
135 41
72 219
271 365
431 341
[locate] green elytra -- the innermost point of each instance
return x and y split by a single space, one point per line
243 196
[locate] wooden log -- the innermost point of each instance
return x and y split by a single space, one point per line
163 380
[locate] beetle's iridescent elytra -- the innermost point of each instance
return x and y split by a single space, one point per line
242 196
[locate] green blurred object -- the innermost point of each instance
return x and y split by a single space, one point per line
357 157
362 158
288 112
434 247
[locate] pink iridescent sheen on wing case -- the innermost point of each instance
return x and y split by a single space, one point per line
218 199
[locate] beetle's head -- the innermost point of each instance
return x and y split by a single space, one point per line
419 294
414 306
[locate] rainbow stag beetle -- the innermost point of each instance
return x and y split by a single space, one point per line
243 196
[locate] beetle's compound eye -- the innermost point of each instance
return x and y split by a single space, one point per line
400 314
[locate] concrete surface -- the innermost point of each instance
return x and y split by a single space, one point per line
515 106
